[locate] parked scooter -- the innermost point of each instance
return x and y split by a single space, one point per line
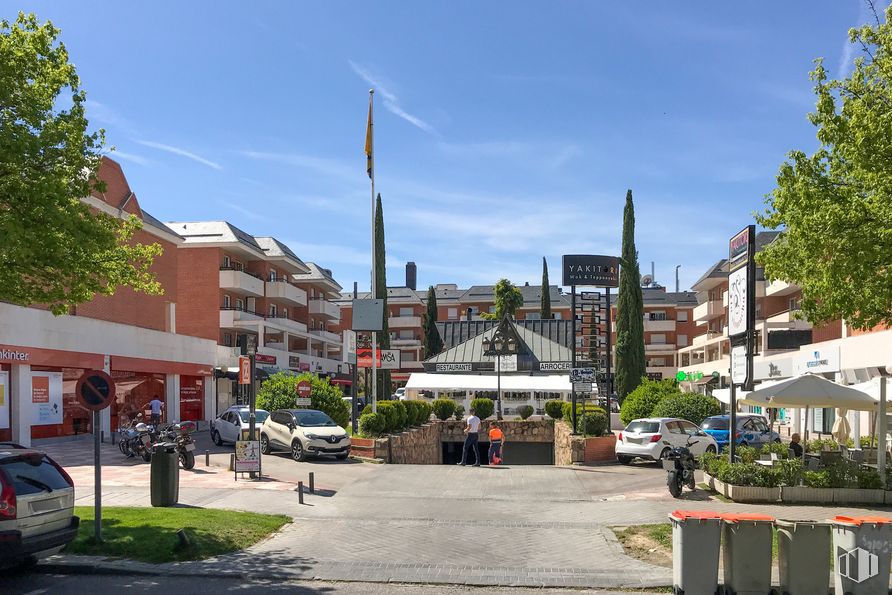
680 464
181 434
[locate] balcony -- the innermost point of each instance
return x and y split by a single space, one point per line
327 335
241 282
395 322
282 290
288 324
659 347
780 288
229 316
405 342
322 307
659 326
708 310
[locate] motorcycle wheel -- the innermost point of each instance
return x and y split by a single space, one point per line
146 455
674 484
123 447
187 460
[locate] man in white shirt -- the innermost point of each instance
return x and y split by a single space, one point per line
471 430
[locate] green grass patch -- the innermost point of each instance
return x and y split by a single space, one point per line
150 534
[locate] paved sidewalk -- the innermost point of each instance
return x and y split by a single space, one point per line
529 526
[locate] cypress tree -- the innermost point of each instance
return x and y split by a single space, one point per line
433 344
630 362
384 385
545 308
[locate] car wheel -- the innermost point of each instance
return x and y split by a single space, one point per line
264 444
665 454
710 449
297 450
216 438
624 459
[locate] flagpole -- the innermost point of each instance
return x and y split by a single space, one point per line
374 276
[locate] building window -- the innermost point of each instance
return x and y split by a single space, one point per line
657 339
227 303
452 313
407 334
272 310
406 312
681 316
227 339
795 304
272 274
657 315
533 316
682 340
556 315
239 304
492 309
407 356
285 312
238 266
226 262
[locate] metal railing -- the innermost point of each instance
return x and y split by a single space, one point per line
232 268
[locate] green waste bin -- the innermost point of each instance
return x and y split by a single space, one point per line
746 557
862 547
695 551
165 475
802 552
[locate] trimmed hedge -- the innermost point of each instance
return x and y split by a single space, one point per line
640 403
693 407
554 409
443 408
482 407
595 423
371 425
525 411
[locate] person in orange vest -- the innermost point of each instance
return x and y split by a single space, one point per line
496 439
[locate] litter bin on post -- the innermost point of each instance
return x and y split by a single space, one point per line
862 547
165 475
695 551
802 549
746 556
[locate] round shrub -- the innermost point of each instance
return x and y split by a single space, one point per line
693 407
554 409
443 408
595 423
459 412
581 410
482 407
424 412
402 415
525 411
371 425
412 412
279 391
640 403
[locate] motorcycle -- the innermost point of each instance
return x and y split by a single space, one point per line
136 439
181 435
680 465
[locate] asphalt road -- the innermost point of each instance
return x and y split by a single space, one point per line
34 584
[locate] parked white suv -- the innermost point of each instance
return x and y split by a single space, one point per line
36 506
234 424
653 438
303 432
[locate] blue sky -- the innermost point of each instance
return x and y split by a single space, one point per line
504 131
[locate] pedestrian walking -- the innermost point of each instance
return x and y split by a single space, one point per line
496 440
471 438
155 404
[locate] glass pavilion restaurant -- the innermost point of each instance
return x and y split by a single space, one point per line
537 372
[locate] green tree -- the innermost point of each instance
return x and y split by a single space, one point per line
630 362
384 385
507 300
834 206
642 401
433 344
545 307
54 250
693 407
279 391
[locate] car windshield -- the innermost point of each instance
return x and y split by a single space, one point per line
714 423
643 427
259 414
313 419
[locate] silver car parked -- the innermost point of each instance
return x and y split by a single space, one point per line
36 506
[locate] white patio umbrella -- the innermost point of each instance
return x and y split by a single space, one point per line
841 427
809 391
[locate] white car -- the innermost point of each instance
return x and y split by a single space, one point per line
303 432
400 394
235 424
655 437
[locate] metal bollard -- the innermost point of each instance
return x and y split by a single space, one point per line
300 492
113 438
102 436
312 483
232 462
207 458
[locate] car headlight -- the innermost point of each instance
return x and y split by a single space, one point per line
313 436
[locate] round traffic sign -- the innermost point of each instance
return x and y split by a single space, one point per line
95 390
304 388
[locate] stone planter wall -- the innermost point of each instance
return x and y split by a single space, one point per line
362 447
601 449
798 494
752 493
418 446
568 449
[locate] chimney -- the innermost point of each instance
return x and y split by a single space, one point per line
355 290
411 275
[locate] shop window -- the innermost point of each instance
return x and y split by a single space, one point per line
133 391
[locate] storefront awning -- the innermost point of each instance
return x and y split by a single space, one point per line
551 383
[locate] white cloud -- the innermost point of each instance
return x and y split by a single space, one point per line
181 152
391 102
329 167
138 159
250 214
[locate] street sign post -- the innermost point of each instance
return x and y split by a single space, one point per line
582 375
95 390
244 369
304 390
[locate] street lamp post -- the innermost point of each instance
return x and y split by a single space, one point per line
252 396
499 345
